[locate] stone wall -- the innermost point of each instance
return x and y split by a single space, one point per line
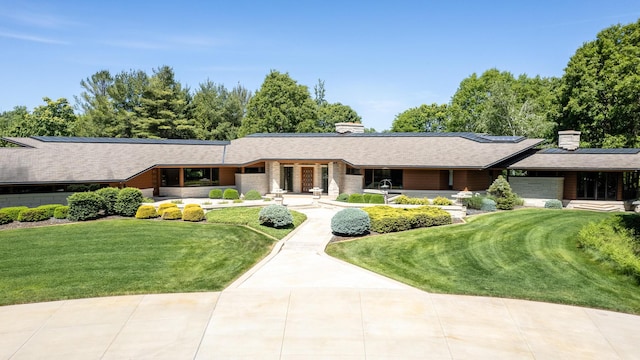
538 187
246 182
352 184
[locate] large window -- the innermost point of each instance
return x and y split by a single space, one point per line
372 177
597 186
191 176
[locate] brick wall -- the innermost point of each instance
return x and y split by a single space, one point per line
416 179
473 180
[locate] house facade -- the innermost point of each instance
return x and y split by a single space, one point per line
347 161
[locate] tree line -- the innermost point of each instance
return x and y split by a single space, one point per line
598 94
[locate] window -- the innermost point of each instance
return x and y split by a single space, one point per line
372 177
254 170
170 177
353 171
191 177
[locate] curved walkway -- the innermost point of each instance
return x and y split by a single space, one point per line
302 304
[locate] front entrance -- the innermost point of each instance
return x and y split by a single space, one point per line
307 179
597 186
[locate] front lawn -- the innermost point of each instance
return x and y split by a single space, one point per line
526 254
117 257
248 216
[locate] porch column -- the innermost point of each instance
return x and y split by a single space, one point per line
274 175
297 178
334 180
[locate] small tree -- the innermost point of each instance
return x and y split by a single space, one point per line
501 191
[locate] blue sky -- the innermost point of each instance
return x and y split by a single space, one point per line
379 57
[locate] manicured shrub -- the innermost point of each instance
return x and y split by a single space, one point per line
13 211
501 192
350 222
34 214
553 204
129 199
49 208
166 206
405 200
146 212
171 214
230 194
238 201
146 200
177 201
344 197
506 203
110 196
276 216
488 205
84 206
215 194
252 195
442 201
61 212
366 198
192 205
194 214
376 199
386 219
356 199
5 218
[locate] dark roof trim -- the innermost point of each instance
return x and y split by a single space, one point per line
481 138
98 140
22 145
592 151
514 155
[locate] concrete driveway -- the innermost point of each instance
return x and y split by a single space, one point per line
302 304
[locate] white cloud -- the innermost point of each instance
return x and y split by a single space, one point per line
32 38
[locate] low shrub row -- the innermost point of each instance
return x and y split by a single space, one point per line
106 201
385 219
439 200
232 194
361 198
25 214
615 240
169 211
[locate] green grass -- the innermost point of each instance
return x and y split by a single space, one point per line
249 216
116 257
526 254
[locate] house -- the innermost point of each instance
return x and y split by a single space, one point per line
346 161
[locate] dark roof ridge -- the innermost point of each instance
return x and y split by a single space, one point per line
481 138
106 140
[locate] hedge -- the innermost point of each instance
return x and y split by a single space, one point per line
405 200
49 208
146 212
215 194
172 213
386 219
230 194
110 197
276 216
344 197
193 214
128 201
376 199
34 214
5 218
61 212
253 195
13 211
442 201
84 206
350 222
166 206
356 199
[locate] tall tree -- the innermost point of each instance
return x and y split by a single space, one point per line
330 114
280 106
429 118
162 112
218 112
600 90
98 115
126 96
11 119
55 118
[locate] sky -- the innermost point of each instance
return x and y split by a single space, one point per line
379 57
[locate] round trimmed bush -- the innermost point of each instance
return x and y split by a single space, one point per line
488 205
129 199
84 206
61 212
34 214
356 199
13 211
350 222
253 195
553 204
172 214
49 208
376 199
344 197
215 194
146 212
192 205
5 218
166 206
230 194
193 214
276 216
110 196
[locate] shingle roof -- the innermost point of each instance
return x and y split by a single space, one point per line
82 161
582 159
429 150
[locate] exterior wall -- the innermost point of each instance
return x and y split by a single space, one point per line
473 180
352 184
538 187
570 185
34 199
335 179
246 182
227 176
190 192
297 178
145 180
416 179
272 169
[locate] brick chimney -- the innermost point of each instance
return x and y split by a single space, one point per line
569 139
347 127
